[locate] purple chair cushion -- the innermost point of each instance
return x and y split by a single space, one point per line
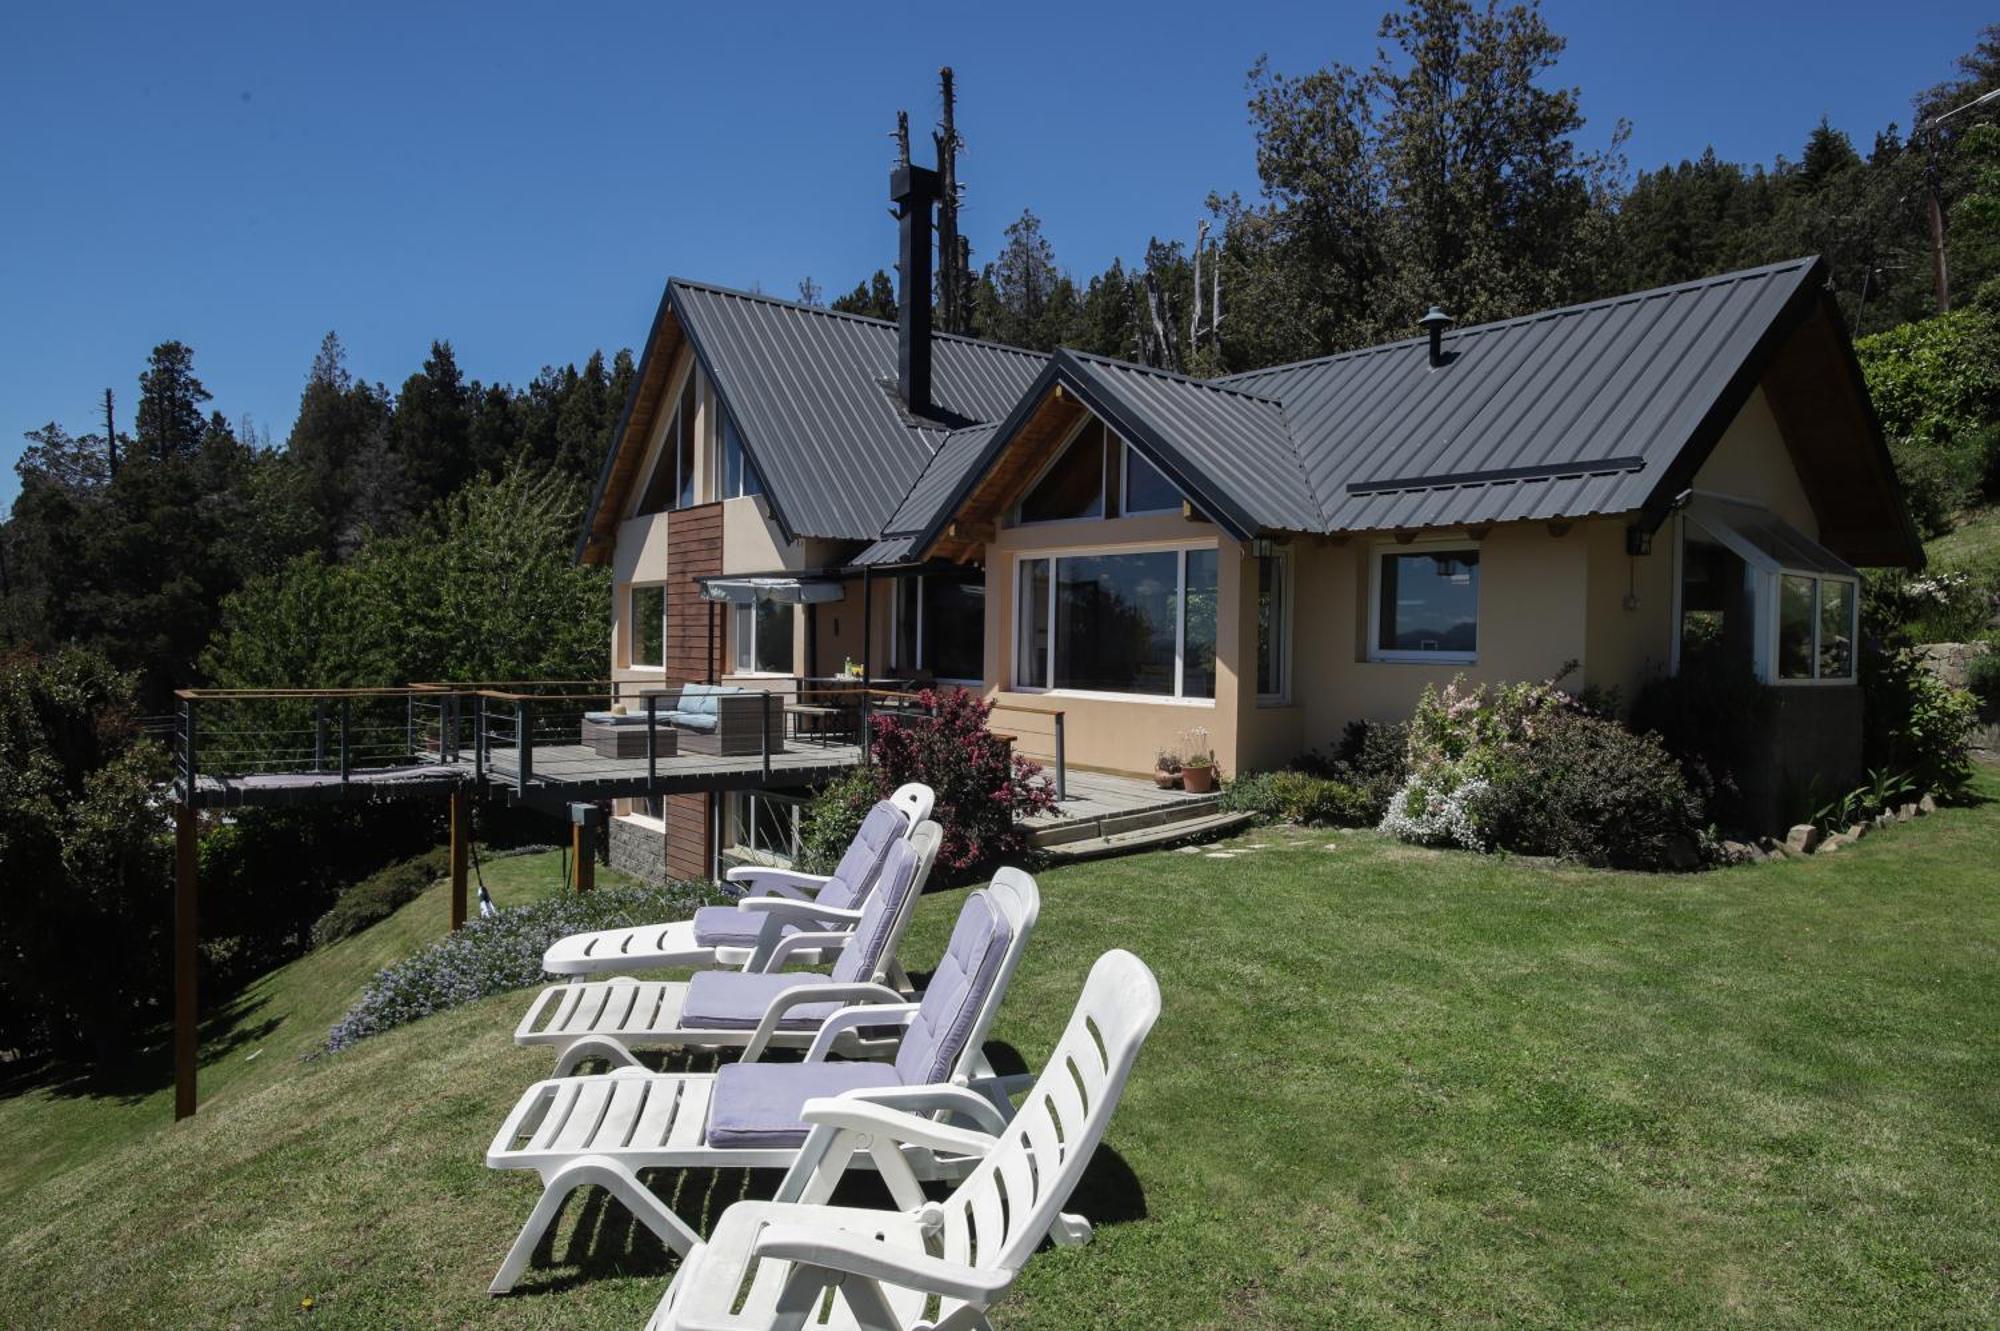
964 978
854 877
758 1104
867 951
726 926
737 1001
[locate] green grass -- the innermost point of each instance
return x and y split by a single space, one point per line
1390 1088
1974 543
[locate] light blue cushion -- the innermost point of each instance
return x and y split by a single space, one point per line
737 1000
958 988
703 721
758 1104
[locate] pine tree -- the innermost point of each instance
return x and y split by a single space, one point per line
170 396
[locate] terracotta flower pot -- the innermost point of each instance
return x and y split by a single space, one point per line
1197 780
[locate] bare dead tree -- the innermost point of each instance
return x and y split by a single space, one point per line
902 138
110 438
1194 317
952 253
1167 356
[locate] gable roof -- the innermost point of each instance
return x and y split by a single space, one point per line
812 392
1565 413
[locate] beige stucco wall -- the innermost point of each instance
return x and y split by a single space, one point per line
1751 462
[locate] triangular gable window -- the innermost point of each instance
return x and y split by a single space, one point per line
1097 476
672 483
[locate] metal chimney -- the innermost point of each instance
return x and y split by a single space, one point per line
1435 321
914 191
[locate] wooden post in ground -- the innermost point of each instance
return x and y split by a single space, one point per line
461 845
186 1009
583 844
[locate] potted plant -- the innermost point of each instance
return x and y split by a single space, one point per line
1197 763
1167 769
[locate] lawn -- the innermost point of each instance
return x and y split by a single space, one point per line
1390 1088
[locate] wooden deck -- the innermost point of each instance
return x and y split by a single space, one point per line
1099 795
576 772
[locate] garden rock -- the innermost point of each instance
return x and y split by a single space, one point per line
1859 830
1927 805
1802 839
1906 813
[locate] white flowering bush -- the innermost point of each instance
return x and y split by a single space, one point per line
502 952
1428 812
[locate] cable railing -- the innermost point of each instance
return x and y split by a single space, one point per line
236 733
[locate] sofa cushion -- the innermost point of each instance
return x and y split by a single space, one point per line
758 1104
702 721
699 699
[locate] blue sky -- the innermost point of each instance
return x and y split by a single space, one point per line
521 181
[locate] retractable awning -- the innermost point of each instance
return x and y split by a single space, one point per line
782 590
1762 539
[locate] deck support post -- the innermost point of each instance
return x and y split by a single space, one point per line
1062 783
583 845
461 845
186 1009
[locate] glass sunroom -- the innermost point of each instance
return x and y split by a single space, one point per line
1752 586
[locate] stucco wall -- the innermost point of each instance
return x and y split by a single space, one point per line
1752 462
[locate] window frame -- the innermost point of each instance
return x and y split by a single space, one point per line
1283 697
1771 585
1125 509
632 661
919 638
744 640
669 450
1377 654
725 427
1180 549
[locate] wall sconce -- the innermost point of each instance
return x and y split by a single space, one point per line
1638 541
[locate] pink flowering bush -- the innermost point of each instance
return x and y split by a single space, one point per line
983 788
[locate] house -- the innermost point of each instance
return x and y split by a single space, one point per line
1616 486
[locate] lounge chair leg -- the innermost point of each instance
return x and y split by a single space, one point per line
1069 1231
615 1179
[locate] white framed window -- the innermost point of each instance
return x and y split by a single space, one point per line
1423 602
1816 626
1751 588
1274 628
939 624
762 828
646 625
763 633
1123 622
648 811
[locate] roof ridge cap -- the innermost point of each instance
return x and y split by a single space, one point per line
716 288
1215 385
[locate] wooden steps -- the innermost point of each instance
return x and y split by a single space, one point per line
1141 829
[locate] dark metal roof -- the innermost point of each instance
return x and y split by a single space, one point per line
1226 447
1566 413
812 391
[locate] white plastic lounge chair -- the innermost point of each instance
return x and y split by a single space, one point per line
749 1008
770 1264
730 935
603 1130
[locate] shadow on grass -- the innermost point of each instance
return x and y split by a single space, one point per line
147 1069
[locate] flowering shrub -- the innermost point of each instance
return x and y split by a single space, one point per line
501 952
1950 605
1527 767
1440 808
983 788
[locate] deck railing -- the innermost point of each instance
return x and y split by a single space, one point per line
248 732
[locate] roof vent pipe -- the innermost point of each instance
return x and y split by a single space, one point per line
914 191
1435 321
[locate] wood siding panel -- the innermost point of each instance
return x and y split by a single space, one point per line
693 655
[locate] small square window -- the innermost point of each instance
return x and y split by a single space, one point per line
1427 605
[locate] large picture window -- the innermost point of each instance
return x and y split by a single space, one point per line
1757 592
646 622
941 626
1141 622
1426 604
763 638
762 828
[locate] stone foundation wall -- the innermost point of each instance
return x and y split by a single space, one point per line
1952 663
638 850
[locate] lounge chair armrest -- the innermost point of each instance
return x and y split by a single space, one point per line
853 1018
760 880
781 952
836 1250
787 999
857 1111
930 1099
794 911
